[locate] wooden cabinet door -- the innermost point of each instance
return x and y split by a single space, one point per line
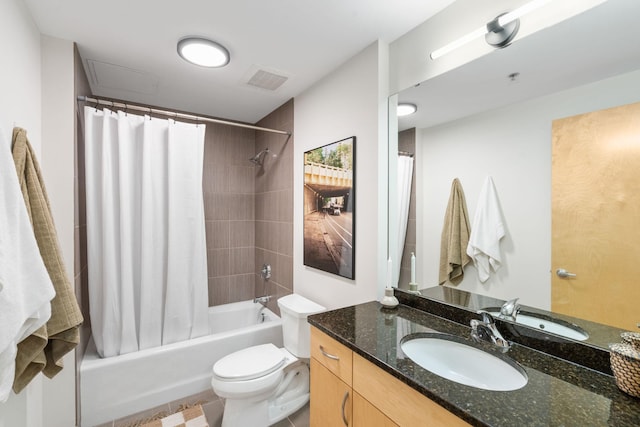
331 400
367 415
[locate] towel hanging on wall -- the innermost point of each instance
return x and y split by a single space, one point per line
44 349
455 237
25 286
488 228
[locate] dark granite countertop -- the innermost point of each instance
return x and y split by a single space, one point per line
558 393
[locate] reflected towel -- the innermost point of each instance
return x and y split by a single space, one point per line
455 237
488 229
43 351
25 286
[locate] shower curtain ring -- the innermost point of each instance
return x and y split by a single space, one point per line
95 107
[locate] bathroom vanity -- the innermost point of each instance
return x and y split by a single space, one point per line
349 390
361 377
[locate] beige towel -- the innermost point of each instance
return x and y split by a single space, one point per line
455 237
43 350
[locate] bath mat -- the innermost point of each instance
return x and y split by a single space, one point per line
190 417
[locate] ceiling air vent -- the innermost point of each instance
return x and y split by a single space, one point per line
267 80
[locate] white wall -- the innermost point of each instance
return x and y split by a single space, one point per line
345 103
20 82
513 145
57 163
37 94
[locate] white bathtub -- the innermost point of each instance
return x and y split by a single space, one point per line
119 386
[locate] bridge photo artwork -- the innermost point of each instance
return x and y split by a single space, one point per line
329 207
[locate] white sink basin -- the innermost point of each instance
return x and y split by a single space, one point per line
451 358
564 330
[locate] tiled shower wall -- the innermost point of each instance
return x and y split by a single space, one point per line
274 206
249 209
229 186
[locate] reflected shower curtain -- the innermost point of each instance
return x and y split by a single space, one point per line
405 172
146 249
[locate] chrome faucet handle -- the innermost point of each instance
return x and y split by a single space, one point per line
510 308
487 318
486 330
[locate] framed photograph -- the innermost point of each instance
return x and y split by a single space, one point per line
329 208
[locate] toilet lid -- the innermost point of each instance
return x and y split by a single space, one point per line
249 363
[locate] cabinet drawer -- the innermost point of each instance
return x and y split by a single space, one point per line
332 355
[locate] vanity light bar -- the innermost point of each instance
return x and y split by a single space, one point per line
503 20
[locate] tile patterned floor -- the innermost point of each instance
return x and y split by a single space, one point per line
213 407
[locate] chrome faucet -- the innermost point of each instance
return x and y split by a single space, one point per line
510 309
485 330
262 300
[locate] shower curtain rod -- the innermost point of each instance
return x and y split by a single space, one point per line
405 153
175 114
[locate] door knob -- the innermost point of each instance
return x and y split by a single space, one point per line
564 274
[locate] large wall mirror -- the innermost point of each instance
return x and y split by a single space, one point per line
513 115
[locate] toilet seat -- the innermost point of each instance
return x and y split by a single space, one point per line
249 363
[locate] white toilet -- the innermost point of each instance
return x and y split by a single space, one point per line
264 384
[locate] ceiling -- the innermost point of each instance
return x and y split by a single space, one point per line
129 47
599 43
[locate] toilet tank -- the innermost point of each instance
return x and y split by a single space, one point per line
296 332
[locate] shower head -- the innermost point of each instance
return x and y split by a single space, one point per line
259 158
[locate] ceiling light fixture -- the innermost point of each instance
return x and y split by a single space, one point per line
498 33
405 109
203 52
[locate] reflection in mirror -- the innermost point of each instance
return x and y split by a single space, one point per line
494 117
591 333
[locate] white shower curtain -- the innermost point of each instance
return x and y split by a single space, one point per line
146 247
405 172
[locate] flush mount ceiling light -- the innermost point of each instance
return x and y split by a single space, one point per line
203 52
498 32
405 109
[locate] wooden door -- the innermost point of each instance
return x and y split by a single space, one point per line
596 216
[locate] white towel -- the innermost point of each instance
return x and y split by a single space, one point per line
487 230
25 286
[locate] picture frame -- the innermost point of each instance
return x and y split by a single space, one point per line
329 208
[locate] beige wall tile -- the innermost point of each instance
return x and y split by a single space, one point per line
242 260
218 234
241 287
218 262
242 234
218 290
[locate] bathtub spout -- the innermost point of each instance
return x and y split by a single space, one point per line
262 300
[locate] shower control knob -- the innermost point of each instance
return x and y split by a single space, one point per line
266 271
